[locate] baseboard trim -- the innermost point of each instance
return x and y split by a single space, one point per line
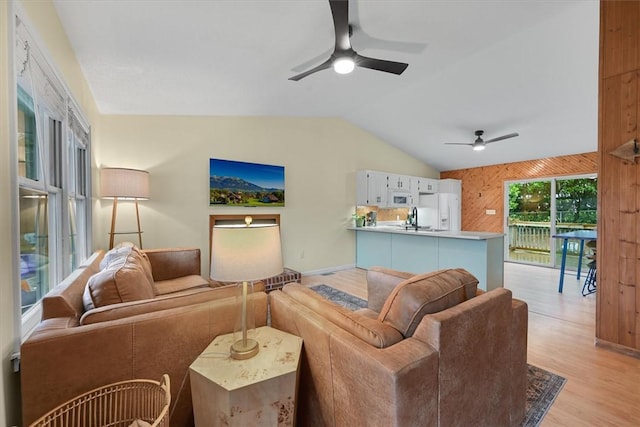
328 270
618 348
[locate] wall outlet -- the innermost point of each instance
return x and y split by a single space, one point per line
491 211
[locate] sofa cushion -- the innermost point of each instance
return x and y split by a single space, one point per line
163 287
369 330
159 303
123 279
123 250
426 293
380 282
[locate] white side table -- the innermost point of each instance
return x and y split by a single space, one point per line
260 391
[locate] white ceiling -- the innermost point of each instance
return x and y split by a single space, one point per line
528 66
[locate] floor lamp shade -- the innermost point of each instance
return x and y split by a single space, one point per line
245 254
124 184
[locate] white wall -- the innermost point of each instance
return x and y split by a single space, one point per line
43 17
320 156
8 398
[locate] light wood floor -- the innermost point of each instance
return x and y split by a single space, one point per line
603 387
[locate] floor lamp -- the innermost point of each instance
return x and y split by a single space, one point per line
124 184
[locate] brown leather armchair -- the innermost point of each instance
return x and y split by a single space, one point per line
437 352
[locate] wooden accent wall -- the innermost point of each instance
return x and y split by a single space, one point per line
618 302
483 187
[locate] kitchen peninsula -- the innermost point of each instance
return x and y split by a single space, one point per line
394 246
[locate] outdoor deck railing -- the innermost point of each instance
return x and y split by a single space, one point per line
536 236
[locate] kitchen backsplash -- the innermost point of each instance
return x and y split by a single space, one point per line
384 214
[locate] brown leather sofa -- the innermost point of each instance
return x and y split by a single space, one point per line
126 315
430 350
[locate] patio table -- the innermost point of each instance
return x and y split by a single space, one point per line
580 235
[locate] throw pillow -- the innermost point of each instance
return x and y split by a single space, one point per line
123 280
123 250
120 251
146 264
427 293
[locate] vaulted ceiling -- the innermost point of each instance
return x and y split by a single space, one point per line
527 66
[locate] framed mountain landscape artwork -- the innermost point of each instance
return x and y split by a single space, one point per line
234 183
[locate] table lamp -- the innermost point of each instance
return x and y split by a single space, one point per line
244 254
124 184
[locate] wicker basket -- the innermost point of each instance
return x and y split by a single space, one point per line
119 405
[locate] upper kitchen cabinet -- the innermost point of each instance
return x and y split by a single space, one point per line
450 186
399 182
420 185
382 189
371 188
424 185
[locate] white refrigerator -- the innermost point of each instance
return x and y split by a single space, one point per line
440 211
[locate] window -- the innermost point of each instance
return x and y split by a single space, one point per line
53 148
27 143
34 247
77 183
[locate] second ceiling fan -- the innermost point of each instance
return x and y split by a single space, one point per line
344 58
480 144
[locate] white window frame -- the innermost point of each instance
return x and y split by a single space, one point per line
57 103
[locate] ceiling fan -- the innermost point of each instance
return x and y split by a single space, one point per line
344 59
479 144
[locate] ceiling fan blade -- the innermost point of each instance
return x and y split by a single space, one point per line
380 64
340 14
500 138
459 143
326 64
361 39
311 62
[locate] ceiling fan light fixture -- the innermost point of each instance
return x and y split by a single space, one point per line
478 147
344 65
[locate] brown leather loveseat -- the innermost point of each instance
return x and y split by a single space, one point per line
430 350
125 315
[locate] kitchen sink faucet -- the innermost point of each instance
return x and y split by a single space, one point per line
414 214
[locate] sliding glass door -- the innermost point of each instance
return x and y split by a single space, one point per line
529 222
576 204
533 215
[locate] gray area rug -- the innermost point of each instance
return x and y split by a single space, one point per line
543 387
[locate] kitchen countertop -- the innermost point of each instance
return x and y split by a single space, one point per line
400 229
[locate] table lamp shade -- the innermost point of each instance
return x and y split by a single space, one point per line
124 183
245 253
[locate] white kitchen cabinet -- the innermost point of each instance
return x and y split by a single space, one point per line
415 189
371 188
420 185
429 185
450 186
399 182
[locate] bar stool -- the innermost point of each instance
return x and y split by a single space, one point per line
589 286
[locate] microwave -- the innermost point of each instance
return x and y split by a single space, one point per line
399 199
